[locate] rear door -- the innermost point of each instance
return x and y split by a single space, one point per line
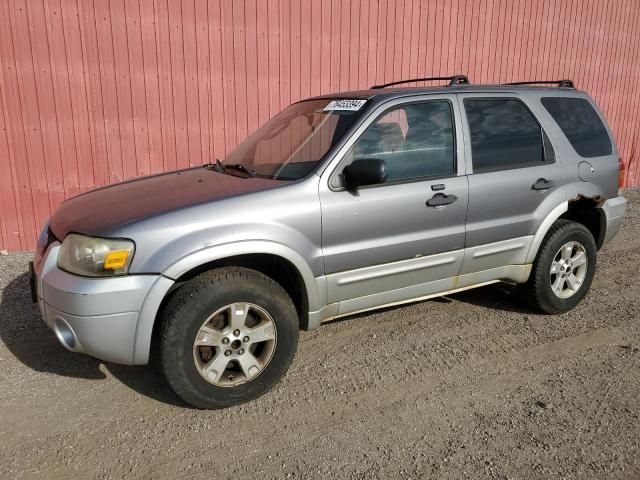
386 237
514 177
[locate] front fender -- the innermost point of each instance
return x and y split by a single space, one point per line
316 297
144 330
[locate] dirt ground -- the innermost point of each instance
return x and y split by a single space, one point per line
469 386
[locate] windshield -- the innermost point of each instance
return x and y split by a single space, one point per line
292 144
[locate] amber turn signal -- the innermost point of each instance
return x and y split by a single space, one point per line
116 259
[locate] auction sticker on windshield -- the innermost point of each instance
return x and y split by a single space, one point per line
345 104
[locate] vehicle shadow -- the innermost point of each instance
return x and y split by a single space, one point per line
497 296
28 338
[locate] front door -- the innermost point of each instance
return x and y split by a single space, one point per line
410 230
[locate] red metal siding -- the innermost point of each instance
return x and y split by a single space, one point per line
94 91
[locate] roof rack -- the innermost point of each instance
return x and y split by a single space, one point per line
560 83
453 80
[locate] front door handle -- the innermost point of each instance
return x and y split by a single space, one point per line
542 184
440 200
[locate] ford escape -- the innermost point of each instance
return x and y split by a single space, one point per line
339 204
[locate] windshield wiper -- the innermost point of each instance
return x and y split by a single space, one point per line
221 167
241 168
216 167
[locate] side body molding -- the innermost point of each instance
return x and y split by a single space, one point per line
544 228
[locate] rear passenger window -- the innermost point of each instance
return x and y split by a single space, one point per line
581 125
504 134
414 140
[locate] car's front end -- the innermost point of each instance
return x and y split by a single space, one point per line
102 267
87 297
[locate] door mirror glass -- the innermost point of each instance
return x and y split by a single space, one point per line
364 171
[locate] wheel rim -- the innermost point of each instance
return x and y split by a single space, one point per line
568 269
235 344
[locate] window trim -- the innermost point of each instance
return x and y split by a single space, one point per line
337 171
543 134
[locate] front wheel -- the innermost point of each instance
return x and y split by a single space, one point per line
227 337
563 270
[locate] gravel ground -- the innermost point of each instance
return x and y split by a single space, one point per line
469 386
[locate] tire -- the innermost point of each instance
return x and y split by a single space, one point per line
230 293
538 290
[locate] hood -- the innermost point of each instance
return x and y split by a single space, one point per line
102 210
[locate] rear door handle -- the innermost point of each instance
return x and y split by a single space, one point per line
542 184
440 200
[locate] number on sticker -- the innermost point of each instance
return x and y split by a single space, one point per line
351 105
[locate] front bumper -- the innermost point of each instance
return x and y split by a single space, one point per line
108 318
612 214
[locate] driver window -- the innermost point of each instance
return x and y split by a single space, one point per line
414 140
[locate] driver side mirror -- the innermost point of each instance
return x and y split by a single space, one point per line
364 171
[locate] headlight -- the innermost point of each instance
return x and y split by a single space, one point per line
95 257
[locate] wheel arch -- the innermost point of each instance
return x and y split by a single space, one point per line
276 267
544 227
275 260
246 250
585 210
581 209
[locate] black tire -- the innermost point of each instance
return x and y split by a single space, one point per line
192 304
537 290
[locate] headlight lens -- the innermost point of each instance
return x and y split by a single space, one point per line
95 257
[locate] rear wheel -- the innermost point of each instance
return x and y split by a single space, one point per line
563 270
227 337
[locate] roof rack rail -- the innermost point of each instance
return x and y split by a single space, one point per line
560 83
453 80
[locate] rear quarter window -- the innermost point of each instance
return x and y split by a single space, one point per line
581 125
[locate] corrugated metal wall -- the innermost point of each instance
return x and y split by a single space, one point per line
97 91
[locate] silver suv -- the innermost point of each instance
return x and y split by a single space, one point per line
339 204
